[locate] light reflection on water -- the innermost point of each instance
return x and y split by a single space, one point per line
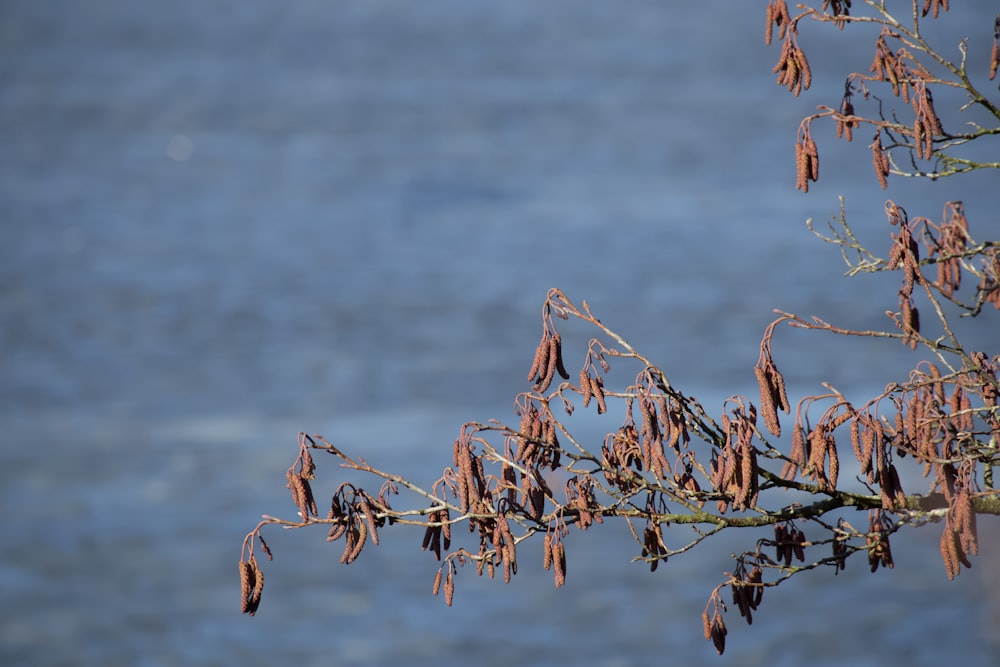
226 224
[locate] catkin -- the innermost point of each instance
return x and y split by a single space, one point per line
949 549
550 368
369 513
585 388
555 349
541 360
559 563
449 588
597 385
994 59
437 582
258 587
880 160
767 401
246 585
719 633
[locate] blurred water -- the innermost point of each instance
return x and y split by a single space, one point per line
225 222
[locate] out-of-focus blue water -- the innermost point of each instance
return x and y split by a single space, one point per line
225 222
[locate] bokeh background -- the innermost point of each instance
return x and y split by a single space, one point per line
225 222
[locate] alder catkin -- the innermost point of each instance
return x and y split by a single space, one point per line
246 585
559 563
767 407
994 59
258 587
541 360
449 588
585 388
597 384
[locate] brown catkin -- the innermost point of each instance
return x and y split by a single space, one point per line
585 388
559 563
437 582
370 519
994 59
801 168
449 588
301 495
949 552
597 384
362 539
965 516
834 462
550 368
258 587
767 407
556 350
246 585
351 538
806 76
308 467
813 154
880 161
719 633
445 518
541 360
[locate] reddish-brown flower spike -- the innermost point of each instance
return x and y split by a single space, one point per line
965 521
801 168
258 587
995 56
449 588
585 388
597 386
246 585
719 633
559 563
555 350
437 582
369 513
880 160
813 154
949 552
540 363
768 410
